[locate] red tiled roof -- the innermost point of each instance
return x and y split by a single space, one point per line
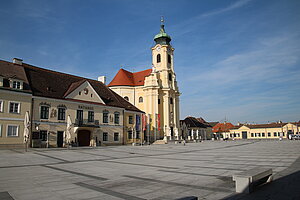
222 127
124 77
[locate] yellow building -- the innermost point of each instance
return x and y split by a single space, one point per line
15 101
264 131
63 109
154 91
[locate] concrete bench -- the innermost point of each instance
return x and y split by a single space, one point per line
247 180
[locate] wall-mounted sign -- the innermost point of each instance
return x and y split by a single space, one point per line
86 107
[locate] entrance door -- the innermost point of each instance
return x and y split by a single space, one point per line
60 138
172 132
244 134
84 137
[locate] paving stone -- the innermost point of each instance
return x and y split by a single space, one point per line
149 172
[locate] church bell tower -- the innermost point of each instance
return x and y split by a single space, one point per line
168 94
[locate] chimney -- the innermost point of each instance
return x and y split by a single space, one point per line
102 79
17 61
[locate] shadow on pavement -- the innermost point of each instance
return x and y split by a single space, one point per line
284 188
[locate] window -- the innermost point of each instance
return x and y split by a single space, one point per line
158 101
90 116
263 134
130 134
16 84
44 112
14 107
269 134
126 98
169 59
0 130
116 136
79 93
117 117
171 100
105 136
12 131
79 115
92 95
61 114
283 134
105 116
43 135
258 134
252 134
141 100
275 134
137 134
170 77
158 58
130 119
1 106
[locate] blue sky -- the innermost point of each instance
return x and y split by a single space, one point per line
237 59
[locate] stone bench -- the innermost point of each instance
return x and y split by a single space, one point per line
247 180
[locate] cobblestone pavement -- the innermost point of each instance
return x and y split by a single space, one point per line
169 171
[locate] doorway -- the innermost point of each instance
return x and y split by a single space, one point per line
84 137
172 132
60 138
244 134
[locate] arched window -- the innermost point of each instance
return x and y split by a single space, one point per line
169 59
170 77
171 100
126 98
141 100
158 58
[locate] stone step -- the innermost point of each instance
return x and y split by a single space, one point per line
159 142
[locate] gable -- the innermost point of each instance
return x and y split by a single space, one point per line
83 91
126 78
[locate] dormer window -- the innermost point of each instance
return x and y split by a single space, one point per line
16 84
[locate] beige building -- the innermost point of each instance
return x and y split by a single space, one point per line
154 91
264 131
63 109
15 101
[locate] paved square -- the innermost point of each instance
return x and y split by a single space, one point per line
140 172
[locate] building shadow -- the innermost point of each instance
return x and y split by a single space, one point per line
284 188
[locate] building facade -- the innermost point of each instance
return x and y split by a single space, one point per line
265 131
154 91
15 101
195 129
64 109
222 130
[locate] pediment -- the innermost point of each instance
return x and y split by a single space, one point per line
83 91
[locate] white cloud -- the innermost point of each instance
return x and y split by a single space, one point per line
231 7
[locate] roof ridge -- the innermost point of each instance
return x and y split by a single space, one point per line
55 72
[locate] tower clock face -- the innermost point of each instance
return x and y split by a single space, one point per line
158 48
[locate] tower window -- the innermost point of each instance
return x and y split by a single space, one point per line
171 100
170 77
126 98
141 100
158 101
158 58
169 59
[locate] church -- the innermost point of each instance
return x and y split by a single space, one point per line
154 91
